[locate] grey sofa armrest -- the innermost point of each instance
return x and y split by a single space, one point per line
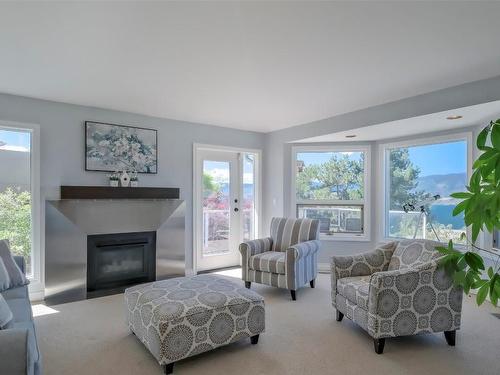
364 264
258 246
303 249
250 248
14 351
21 263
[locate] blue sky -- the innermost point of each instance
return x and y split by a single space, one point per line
442 158
15 138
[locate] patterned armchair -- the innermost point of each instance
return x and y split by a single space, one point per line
397 290
287 259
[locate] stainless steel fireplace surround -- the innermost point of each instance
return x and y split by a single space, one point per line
68 222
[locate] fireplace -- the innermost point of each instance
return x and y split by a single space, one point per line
115 261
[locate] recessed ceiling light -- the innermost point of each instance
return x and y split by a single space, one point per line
454 117
351 136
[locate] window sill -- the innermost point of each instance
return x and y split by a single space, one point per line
461 247
344 238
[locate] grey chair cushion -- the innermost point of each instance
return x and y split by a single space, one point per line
5 314
16 276
355 289
270 261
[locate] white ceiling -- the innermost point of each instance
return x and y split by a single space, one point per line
250 65
480 114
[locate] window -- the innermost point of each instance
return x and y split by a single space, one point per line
16 205
331 184
423 176
20 197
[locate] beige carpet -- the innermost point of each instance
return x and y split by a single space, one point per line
302 337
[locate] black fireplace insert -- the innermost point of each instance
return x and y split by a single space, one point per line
115 261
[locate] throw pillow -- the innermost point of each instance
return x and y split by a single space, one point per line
5 314
4 277
16 276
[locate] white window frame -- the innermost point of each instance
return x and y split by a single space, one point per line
384 179
36 287
366 201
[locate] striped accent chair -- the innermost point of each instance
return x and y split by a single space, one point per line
287 259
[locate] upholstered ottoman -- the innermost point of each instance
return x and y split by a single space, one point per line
185 316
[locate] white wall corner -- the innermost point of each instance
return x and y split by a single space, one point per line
190 272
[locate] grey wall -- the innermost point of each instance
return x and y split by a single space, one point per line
62 147
277 170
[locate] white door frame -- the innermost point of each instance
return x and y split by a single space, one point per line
37 284
197 147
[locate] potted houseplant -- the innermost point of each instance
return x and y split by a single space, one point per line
481 207
134 180
113 179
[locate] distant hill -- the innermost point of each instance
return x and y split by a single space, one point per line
442 184
247 189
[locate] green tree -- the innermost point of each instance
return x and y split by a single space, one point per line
209 185
404 179
338 178
15 221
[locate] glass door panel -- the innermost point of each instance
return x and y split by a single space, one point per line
248 204
216 207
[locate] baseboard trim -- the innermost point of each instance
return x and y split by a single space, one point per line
323 267
37 296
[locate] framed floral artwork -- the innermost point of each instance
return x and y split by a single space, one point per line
110 147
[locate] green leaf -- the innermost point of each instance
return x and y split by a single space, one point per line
475 181
494 299
443 250
490 272
461 263
495 136
461 195
476 228
474 261
460 207
478 284
494 295
497 171
481 138
459 278
482 293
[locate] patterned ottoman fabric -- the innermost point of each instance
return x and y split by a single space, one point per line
185 316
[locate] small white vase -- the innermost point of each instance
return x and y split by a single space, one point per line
134 183
113 183
125 179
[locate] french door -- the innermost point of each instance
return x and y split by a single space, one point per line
225 206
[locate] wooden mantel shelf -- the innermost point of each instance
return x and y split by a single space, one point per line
108 192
